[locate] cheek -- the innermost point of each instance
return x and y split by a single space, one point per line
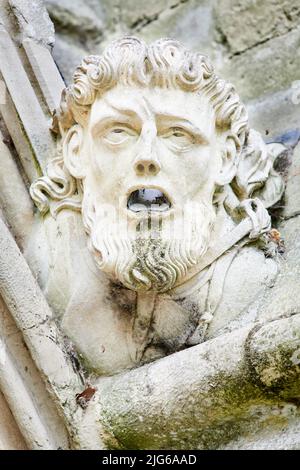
102 161
98 170
199 165
110 161
196 171
106 171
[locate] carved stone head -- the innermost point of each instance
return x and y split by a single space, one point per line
155 151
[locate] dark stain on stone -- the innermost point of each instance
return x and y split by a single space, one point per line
122 298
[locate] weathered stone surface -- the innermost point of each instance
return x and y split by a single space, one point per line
28 108
264 37
33 20
261 273
10 436
292 192
136 18
283 299
190 22
14 197
46 73
278 428
158 320
232 391
276 113
22 385
222 386
29 308
266 68
246 23
79 18
67 56
79 29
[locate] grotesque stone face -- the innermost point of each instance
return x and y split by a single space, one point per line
149 133
155 152
148 216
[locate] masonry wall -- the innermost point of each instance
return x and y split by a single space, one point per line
253 43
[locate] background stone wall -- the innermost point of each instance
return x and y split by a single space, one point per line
253 43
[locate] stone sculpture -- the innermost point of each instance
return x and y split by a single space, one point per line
156 152
149 286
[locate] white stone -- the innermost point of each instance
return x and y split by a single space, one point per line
146 134
126 137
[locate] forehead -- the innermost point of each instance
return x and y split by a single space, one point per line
154 103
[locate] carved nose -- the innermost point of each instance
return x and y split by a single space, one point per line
147 167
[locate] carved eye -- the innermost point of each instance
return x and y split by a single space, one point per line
118 135
179 138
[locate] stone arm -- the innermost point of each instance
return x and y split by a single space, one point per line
193 398
198 398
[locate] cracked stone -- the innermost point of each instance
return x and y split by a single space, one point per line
33 20
267 68
76 18
254 22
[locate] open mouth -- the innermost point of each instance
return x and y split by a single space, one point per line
145 199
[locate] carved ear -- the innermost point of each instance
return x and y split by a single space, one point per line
72 151
228 165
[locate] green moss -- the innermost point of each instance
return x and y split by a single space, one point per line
188 423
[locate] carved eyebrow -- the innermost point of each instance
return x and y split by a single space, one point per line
125 111
177 121
129 118
116 112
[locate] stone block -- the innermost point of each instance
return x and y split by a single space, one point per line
275 113
192 23
244 24
67 56
33 20
292 192
267 68
78 17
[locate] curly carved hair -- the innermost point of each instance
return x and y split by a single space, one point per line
165 63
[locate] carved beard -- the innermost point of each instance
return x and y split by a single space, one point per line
146 259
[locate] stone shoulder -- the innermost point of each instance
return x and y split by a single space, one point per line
246 281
